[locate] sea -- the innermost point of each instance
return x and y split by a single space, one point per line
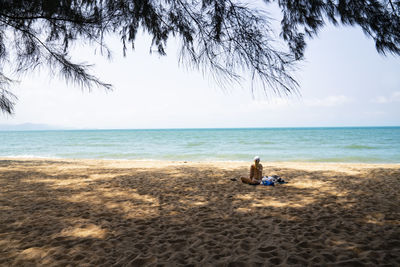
336 144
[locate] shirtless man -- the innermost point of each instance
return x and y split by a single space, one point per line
255 173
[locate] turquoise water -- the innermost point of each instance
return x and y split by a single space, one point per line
361 144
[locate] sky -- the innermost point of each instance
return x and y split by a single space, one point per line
343 82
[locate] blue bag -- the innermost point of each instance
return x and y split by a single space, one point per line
268 182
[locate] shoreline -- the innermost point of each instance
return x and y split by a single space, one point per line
213 162
270 168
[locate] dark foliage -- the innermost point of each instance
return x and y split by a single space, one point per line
222 37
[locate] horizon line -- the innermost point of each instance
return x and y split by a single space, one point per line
62 128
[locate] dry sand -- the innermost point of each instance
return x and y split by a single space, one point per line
135 213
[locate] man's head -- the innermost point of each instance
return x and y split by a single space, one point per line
256 159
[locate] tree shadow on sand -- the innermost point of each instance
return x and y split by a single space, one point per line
183 215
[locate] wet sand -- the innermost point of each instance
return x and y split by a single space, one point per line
136 213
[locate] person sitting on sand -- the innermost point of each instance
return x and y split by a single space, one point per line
255 173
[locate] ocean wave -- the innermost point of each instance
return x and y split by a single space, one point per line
29 156
194 144
266 143
351 159
359 147
256 142
362 145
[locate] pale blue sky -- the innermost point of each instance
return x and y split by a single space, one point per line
344 82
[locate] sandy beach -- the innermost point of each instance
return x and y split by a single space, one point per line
137 213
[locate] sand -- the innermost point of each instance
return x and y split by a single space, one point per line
137 213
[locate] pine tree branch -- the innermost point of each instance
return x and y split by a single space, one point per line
70 70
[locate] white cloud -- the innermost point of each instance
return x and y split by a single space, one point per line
394 97
263 105
380 100
278 103
329 101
